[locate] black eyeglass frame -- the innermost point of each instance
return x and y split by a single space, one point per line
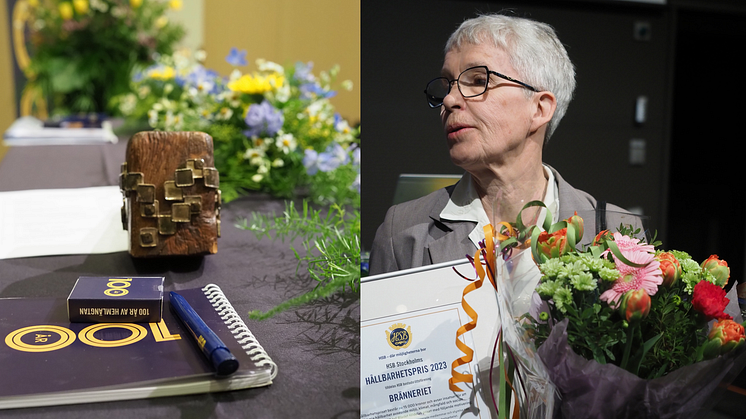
486 86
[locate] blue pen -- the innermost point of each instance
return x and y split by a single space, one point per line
210 344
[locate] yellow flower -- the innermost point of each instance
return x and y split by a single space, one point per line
135 3
175 4
66 10
33 3
161 22
256 84
81 6
164 73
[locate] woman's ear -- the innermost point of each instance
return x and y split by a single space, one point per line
545 103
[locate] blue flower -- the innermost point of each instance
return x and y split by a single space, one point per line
202 79
356 158
263 118
314 90
303 72
309 87
310 161
236 58
334 156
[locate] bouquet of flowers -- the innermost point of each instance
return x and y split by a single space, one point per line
274 129
623 329
81 53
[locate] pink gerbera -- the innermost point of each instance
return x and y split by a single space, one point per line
647 277
629 244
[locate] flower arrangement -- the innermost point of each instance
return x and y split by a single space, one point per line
83 52
619 324
274 129
621 293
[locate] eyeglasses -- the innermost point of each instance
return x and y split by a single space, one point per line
471 82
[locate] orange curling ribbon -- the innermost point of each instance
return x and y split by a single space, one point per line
489 256
510 231
457 377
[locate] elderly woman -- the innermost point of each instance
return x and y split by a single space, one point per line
505 84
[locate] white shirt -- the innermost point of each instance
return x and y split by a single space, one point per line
473 210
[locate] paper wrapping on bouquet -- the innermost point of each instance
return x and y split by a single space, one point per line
515 289
592 390
171 196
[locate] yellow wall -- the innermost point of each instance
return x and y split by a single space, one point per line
326 32
7 91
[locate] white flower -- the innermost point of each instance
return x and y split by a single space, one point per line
286 143
268 66
99 5
253 154
261 143
235 75
143 91
152 117
278 162
224 113
283 94
257 178
128 104
174 122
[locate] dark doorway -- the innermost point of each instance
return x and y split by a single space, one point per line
707 201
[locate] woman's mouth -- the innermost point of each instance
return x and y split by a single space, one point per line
454 131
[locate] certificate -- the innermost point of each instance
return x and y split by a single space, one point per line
423 305
406 364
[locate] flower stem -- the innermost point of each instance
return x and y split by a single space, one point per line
628 346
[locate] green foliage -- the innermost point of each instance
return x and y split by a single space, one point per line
331 248
82 57
681 329
594 330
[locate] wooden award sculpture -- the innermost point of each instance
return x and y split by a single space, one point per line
171 196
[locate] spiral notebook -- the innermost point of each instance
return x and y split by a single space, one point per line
55 362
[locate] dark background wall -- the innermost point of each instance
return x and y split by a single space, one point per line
679 55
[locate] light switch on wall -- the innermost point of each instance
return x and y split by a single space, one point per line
637 152
641 109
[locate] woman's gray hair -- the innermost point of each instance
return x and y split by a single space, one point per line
535 53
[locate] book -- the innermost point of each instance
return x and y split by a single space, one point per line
54 362
103 299
28 130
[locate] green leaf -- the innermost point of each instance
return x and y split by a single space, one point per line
634 365
66 75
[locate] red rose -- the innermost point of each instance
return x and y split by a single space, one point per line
710 300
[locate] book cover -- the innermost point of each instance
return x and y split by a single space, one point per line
54 361
101 299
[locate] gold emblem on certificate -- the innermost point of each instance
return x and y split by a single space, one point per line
399 336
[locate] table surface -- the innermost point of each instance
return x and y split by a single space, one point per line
316 346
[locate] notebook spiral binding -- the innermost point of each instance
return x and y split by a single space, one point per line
238 328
